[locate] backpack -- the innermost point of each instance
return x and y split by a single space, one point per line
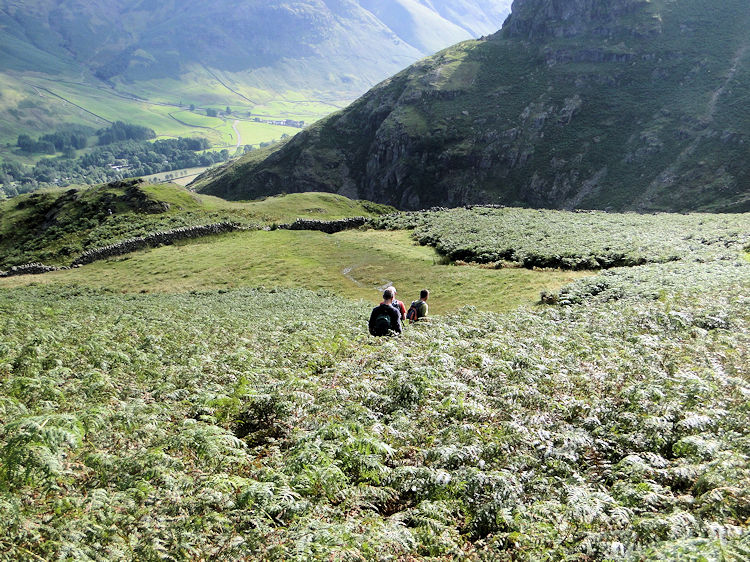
382 324
413 313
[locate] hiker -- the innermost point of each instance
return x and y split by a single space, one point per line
418 308
385 318
400 306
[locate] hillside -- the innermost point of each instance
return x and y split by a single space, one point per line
619 104
71 61
494 259
220 421
55 226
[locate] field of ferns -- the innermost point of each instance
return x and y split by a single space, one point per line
611 424
573 240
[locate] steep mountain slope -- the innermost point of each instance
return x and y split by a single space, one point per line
431 25
328 49
623 104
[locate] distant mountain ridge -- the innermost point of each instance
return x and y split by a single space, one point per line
130 40
610 104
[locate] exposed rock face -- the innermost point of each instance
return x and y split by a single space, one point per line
543 19
609 104
139 201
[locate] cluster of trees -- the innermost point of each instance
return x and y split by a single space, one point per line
210 112
120 131
74 137
114 161
27 144
122 150
9 171
66 141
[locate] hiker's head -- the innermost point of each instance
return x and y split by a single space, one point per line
392 288
423 294
388 294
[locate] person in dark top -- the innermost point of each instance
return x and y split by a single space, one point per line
385 318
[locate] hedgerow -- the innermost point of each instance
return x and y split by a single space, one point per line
269 425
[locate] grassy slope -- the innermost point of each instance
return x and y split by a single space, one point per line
283 208
54 226
353 264
269 425
43 84
33 105
358 264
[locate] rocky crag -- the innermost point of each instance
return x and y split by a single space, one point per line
608 104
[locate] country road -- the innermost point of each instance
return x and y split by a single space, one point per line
237 132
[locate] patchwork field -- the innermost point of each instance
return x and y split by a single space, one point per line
37 105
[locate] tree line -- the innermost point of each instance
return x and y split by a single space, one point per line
112 160
76 137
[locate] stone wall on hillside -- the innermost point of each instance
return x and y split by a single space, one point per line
329 227
30 269
163 238
167 237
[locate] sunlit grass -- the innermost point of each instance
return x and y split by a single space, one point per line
353 264
160 98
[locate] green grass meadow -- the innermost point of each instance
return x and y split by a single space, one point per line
53 226
38 104
353 264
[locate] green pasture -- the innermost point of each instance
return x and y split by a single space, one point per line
197 87
27 107
181 177
30 110
353 264
196 119
255 133
299 108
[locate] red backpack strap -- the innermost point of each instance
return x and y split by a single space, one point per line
413 314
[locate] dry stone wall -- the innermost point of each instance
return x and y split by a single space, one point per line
30 269
163 238
167 237
329 227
